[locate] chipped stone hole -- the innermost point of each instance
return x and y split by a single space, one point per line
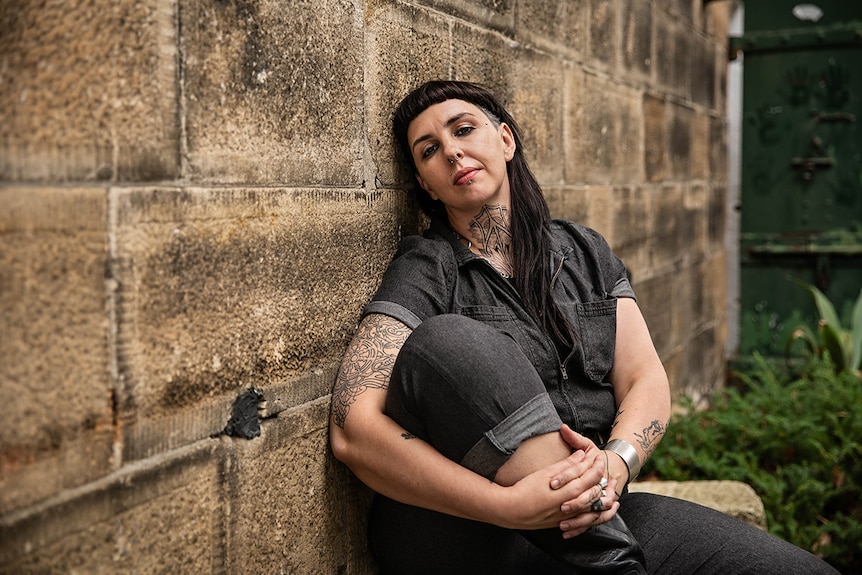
244 421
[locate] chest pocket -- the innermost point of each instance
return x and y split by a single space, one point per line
597 327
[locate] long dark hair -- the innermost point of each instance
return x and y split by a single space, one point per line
530 218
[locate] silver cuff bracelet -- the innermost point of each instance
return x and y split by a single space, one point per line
628 454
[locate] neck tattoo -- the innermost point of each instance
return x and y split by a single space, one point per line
492 237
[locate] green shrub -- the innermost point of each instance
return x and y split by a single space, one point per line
796 439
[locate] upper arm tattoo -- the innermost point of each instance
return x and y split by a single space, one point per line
367 363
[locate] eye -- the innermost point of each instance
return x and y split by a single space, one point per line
429 150
464 130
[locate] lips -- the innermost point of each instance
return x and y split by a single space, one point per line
464 175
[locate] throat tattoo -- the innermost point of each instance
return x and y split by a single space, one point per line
492 236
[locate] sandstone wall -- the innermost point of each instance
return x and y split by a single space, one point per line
198 197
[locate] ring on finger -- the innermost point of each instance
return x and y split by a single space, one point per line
596 507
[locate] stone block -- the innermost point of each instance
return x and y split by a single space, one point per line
604 33
718 149
700 142
631 228
716 19
405 46
89 91
680 136
716 216
56 392
670 246
559 27
672 54
654 293
273 92
291 500
164 515
655 138
704 69
609 146
222 289
591 206
636 46
734 498
494 14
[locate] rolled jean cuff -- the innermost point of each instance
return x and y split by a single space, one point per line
536 417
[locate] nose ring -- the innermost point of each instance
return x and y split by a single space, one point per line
457 157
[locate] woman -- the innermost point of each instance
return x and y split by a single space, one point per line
501 349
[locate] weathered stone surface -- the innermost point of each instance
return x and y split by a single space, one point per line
89 91
591 206
273 92
734 498
536 102
680 136
556 26
56 393
495 14
290 513
655 138
165 515
672 55
704 72
221 289
637 21
670 246
604 33
631 224
609 147
406 46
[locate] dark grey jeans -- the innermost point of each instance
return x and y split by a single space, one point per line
469 390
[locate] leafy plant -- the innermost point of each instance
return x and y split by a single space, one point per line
796 439
844 346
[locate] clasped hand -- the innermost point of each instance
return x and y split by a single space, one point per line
563 494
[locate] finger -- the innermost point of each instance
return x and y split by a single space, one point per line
575 439
574 526
567 470
580 504
563 473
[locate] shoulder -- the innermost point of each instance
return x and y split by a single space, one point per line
427 249
574 234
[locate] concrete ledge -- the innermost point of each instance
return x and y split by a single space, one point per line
734 498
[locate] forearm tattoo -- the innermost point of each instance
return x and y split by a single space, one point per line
650 436
367 363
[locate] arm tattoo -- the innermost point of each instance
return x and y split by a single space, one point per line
367 363
617 418
651 435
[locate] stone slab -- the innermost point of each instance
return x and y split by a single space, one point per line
162 515
222 289
273 91
89 92
291 501
56 392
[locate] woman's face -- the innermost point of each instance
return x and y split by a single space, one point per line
461 156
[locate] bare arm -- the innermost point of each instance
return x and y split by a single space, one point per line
393 462
640 387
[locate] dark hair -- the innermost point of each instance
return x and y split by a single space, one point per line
530 217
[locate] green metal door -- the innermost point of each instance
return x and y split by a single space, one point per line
801 168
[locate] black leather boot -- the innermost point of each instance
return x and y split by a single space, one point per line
606 549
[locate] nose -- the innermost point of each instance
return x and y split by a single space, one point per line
454 157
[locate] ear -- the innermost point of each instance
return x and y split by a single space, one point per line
425 187
508 139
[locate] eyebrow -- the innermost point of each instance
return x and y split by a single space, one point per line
449 122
